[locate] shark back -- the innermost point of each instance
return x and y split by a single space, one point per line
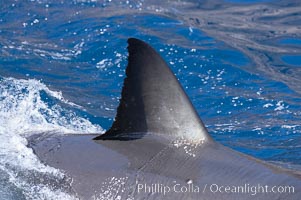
154 141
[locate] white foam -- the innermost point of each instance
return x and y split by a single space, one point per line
268 105
289 126
188 146
110 189
280 106
23 113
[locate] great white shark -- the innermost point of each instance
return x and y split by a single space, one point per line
158 148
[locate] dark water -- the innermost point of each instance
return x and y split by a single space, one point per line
62 64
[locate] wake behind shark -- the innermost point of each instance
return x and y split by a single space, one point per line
158 148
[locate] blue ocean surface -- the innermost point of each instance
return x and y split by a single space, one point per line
62 65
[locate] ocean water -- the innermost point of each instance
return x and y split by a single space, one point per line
62 64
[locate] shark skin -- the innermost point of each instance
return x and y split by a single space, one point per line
158 148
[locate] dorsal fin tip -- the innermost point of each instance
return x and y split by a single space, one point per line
152 100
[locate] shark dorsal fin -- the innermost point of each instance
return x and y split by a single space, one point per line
153 100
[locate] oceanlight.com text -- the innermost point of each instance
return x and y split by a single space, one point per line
248 189
214 188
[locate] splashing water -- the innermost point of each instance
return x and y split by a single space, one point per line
29 107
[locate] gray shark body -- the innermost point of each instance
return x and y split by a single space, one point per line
158 148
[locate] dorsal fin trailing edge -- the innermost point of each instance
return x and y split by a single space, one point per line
153 101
